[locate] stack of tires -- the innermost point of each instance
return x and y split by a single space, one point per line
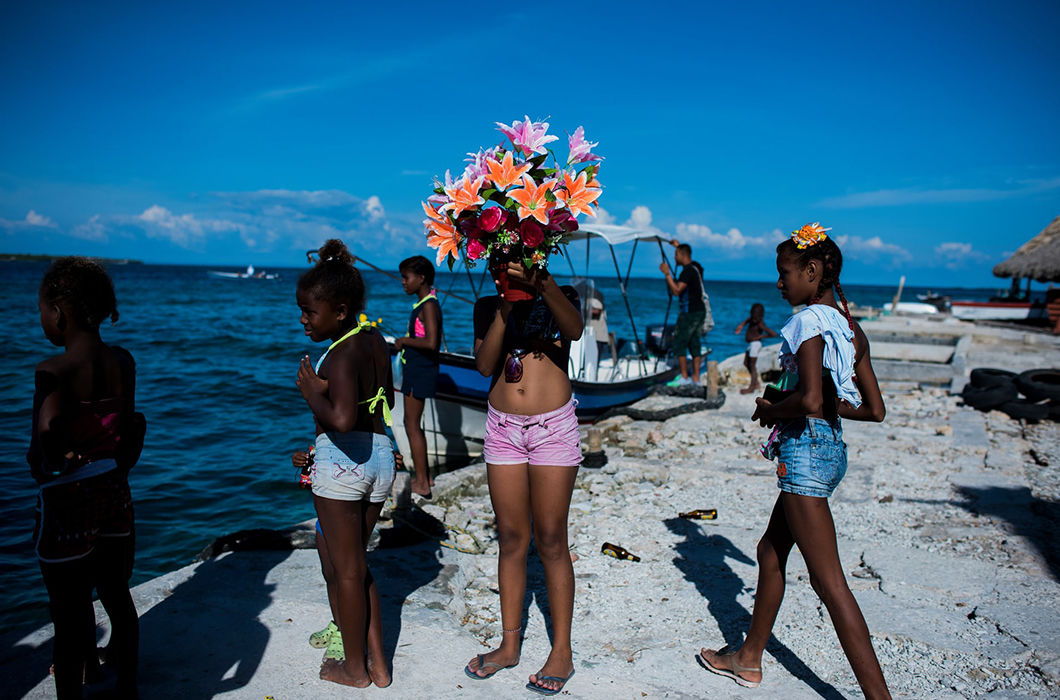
997 389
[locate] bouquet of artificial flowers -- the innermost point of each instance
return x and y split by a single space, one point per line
508 205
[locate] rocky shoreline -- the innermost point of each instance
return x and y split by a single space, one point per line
946 526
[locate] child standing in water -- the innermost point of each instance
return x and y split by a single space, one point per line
756 330
86 436
532 453
419 355
350 393
828 372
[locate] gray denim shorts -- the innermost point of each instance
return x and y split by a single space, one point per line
812 457
353 466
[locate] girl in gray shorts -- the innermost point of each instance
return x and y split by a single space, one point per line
350 392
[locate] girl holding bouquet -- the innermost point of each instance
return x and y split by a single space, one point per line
532 451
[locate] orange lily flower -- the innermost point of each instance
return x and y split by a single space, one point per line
464 194
442 236
576 195
532 200
504 174
432 212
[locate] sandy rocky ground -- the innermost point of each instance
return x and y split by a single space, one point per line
946 524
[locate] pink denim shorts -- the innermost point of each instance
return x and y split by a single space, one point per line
547 439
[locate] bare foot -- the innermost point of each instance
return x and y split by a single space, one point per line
485 665
749 390
379 673
727 664
335 671
557 668
420 489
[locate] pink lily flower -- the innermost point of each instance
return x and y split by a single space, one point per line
528 137
579 148
477 163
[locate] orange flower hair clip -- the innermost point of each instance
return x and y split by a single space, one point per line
808 235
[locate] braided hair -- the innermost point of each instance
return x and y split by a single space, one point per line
826 252
84 285
334 279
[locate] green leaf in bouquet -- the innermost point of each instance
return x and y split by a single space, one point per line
538 161
450 259
486 194
439 190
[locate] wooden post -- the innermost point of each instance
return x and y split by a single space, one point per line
712 379
898 294
595 442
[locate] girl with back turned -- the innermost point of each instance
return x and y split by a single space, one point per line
350 392
827 375
86 436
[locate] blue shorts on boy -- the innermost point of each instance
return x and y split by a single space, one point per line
353 466
812 457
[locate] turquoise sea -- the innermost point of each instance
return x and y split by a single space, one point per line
216 361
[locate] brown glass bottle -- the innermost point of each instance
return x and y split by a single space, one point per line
613 550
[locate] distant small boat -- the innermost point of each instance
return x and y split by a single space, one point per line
997 310
250 274
911 307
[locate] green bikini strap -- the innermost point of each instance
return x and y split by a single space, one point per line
374 402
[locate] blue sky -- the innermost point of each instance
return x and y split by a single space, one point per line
233 133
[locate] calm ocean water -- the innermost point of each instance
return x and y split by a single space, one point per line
216 360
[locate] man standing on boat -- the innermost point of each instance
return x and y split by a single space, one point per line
688 287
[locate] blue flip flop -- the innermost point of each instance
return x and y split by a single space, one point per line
482 664
549 691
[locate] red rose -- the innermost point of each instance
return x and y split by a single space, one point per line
531 234
467 226
561 220
490 219
475 249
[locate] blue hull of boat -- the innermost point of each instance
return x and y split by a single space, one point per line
459 381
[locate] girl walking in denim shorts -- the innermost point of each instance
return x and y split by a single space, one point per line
532 453
827 375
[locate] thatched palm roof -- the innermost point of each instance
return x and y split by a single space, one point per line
1037 259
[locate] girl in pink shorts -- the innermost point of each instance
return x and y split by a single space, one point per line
532 453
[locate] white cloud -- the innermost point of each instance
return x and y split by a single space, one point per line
265 221
603 216
374 208
640 217
955 255
32 220
186 230
732 241
35 219
869 249
95 229
914 195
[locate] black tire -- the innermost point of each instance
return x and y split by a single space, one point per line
983 377
1027 410
1054 410
1040 384
989 398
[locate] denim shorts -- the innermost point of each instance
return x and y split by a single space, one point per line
353 466
812 457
